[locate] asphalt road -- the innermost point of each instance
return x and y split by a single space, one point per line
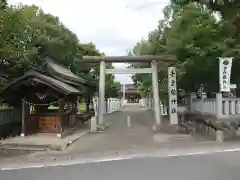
217 166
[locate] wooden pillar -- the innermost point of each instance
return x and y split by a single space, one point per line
78 104
74 113
70 115
60 115
88 103
23 119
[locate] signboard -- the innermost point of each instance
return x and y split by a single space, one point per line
225 66
172 91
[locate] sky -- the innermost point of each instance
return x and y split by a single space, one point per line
114 26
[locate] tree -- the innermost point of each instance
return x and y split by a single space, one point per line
154 44
3 4
228 9
28 36
193 34
113 89
198 39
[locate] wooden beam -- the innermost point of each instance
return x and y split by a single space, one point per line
23 119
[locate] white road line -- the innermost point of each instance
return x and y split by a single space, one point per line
119 158
202 152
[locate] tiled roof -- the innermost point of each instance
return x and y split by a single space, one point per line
61 84
129 88
64 71
54 83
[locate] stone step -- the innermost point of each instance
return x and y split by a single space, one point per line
28 147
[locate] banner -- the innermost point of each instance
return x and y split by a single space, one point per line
225 66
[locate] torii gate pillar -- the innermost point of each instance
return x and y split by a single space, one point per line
101 100
156 93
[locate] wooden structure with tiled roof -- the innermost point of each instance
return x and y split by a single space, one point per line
130 93
35 91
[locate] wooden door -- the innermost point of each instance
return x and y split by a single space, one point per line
48 124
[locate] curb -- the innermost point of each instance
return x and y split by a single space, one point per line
6 148
49 147
70 142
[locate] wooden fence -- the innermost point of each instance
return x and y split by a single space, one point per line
10 122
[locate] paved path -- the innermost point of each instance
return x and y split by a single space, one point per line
134 153
117 140
119 137
217 166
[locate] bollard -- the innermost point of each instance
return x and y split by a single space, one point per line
219 136
128 121
93 124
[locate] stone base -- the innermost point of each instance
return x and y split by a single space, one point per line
156 128
166 128
59 135
101 127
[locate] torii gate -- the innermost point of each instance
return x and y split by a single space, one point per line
153 59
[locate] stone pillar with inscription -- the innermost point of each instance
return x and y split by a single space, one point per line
172 93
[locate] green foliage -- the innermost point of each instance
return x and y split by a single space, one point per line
3 4
197 38
113 89
228 9
28 36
